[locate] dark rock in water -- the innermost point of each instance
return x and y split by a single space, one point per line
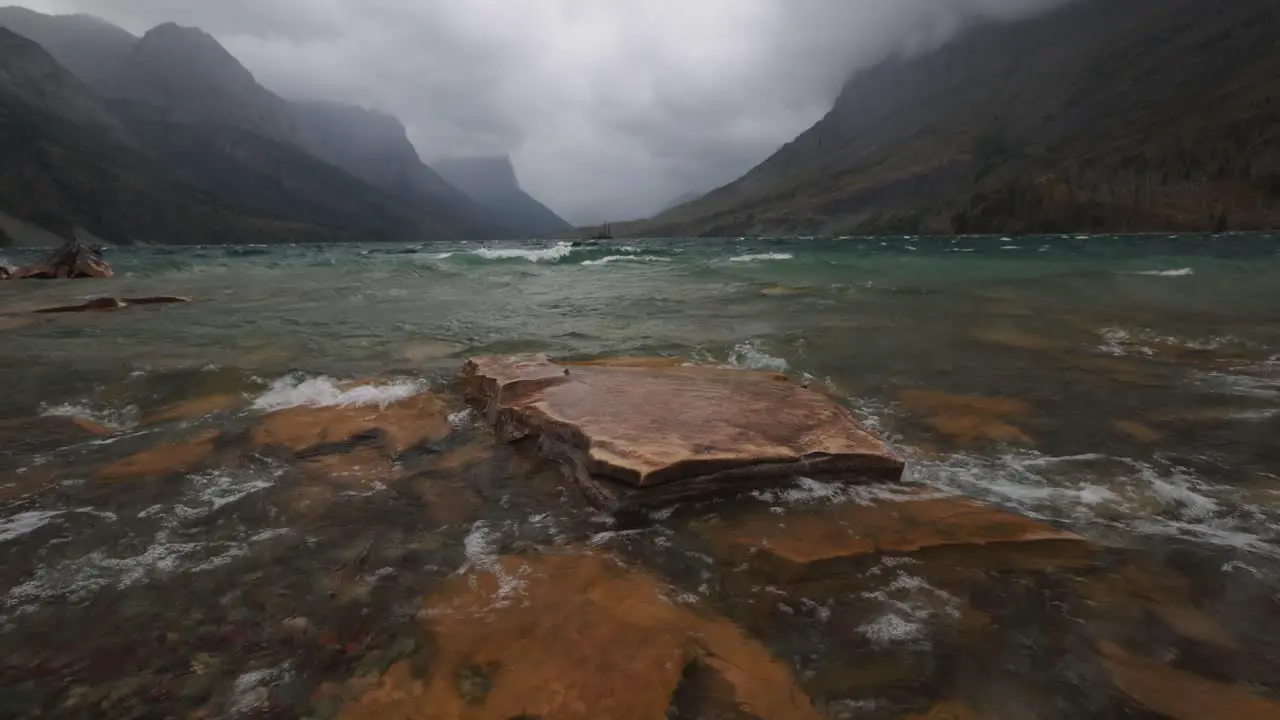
6 270
111 303
634 435
71 261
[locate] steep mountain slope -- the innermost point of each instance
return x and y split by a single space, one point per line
492 182
375 147
188 75
87 46
31 75
63 165
1102 115
198 116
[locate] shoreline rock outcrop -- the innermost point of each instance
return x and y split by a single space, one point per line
74 260
638 434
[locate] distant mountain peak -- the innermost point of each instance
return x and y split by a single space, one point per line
491 181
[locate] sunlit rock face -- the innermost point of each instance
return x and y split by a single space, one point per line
634 433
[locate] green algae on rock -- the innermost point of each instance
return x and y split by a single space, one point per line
633 435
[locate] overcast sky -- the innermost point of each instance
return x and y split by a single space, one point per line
609 108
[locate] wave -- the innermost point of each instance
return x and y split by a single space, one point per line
762 257
750 355
626 258
1179 272
557 252
121 419
297 390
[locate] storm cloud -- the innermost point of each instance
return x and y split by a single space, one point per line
610 109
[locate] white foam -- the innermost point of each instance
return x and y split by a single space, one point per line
481 549
1099 493
298 390
1178 272
24 523
759 257
750 355
125 418
557 252
626 258
78 579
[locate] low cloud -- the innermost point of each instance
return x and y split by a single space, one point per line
609 110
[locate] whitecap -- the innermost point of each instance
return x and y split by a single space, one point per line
750 355
24 523
125 418
557 252
1178 272
761 257
625 258
297 390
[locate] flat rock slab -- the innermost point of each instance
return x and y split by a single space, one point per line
640 434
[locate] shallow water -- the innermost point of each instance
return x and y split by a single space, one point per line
1127 389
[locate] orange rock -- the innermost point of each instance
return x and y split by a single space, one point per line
362 466
713 431
888 527
460 457
625 361
1137 431
163 460
19 485
953 710
197 408
969 419
398 427
1178 694
571 637
1017 340
11 322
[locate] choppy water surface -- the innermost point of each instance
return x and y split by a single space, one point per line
1124 389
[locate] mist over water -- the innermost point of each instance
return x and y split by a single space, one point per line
1138 404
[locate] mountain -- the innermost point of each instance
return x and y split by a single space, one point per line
61 169
30 75
492 182
188 76
1098 116
90 48
193 115
66 162
375 147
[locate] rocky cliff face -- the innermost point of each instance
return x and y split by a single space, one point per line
1100 116
492 182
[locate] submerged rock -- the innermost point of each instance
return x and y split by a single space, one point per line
636 434
396 427
808 545
163 460
576 637
197 408
71 261
112 303
1180 695
969 420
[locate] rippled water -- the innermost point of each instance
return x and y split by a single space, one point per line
1126 389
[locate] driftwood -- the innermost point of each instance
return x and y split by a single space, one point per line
73 260
111 303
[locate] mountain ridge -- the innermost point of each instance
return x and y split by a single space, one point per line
1092 117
